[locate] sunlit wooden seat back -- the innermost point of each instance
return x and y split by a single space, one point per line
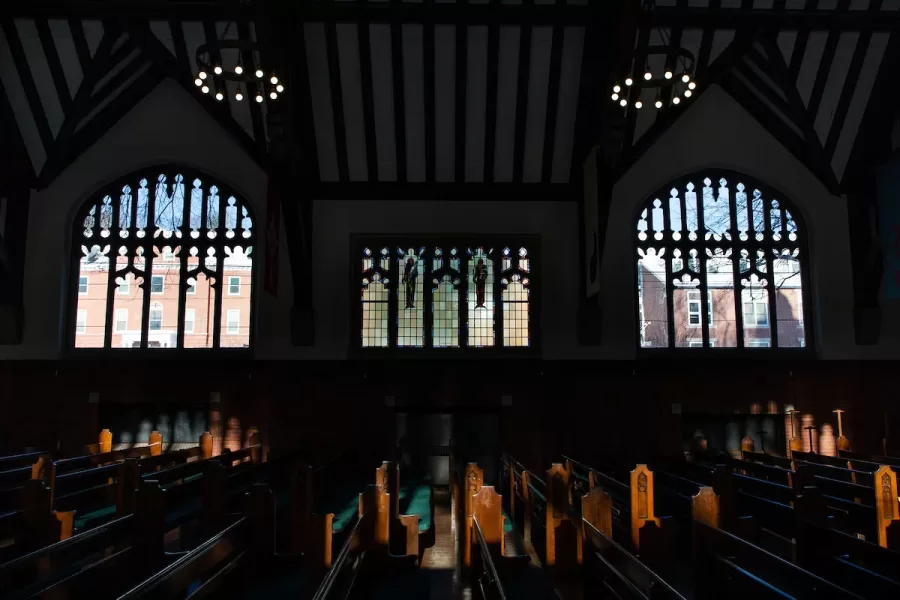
886 508
642 506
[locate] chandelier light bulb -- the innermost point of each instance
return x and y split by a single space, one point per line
617 89
259 73
202 75
658 103
217 70
638 104
238 70
687 93
668 74
273 95
198 82
279 88
685 78
615 97
259 98
648 75
219 96
629 81
692 85
623 102
238 96
274 80
205 89
676 100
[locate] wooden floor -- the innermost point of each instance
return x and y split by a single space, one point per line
441 559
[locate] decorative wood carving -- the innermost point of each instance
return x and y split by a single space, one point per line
885 502
641 502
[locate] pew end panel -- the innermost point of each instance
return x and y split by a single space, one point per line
596 509
375 513
886 507
319 547
642 504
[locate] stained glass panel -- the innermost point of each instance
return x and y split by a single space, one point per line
480 298
410 317
446 281
375 298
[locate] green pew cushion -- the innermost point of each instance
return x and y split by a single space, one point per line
420 504
90 519
507 523
345 514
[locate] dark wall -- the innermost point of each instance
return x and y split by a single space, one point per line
587 409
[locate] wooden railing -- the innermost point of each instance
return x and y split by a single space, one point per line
486 571
340 577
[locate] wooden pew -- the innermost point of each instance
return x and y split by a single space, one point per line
328 501
410 533
892 461
730 567
135 542
223 561
80 499
491 570
636 524
852 563
608 567
554 529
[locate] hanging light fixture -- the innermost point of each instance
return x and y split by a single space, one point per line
674 82
214 75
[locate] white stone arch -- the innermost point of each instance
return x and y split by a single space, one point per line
717 132
167 127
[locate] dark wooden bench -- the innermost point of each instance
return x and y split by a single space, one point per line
730 567
137 540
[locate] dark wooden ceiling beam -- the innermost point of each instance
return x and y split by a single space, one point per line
727 18
419 192
349 11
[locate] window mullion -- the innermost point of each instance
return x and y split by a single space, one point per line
499 304
112 256
428 297
668 247
393 295
182 270
462 295
147 287
219 246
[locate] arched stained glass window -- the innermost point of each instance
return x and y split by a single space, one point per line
448 295
375 281
163 259
721 263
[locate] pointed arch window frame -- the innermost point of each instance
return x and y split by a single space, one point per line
462 242
768 245
132 242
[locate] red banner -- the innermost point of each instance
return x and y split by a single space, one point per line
273 228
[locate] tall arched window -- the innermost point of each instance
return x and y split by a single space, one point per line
721 263
162 258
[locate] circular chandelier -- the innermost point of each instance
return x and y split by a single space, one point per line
672 85
211 76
